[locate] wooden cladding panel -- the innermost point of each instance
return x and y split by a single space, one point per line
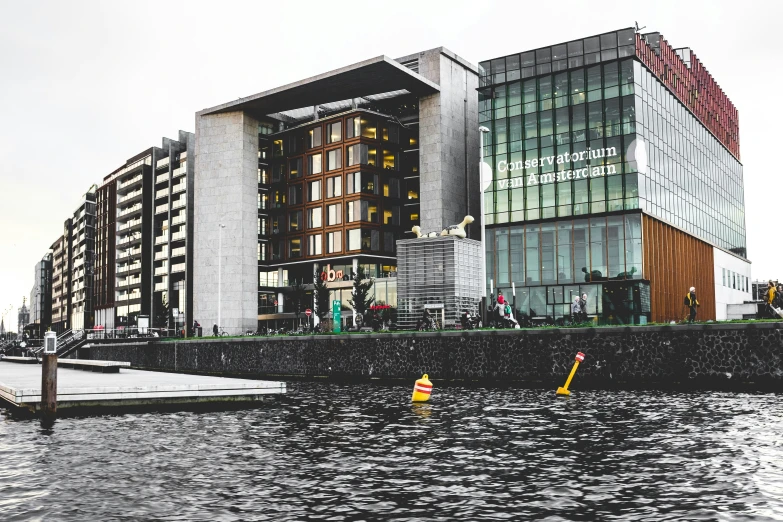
673 262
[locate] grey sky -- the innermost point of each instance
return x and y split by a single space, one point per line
86 85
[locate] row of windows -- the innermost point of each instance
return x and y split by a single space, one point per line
357 239
606 47
332 187
358 154
560 90
735 281
562 199
572 251
355 126
355 211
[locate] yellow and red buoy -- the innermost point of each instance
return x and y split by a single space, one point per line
564 389
422 389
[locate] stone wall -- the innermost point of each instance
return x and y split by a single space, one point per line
701 356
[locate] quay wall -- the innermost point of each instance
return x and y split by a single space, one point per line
717 356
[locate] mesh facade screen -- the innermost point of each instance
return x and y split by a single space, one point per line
437 271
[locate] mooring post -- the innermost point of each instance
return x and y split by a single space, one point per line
49 375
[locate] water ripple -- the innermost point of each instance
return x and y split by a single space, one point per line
339 452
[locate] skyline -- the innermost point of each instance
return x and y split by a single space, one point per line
75 98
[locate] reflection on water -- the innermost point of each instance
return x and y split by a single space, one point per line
342 452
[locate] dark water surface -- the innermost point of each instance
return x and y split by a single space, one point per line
363 452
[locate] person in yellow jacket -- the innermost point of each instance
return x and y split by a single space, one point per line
769 298
692 303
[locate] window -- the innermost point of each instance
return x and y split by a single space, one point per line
278 198
371 240
390 161
361 155
334 159
295 220
277 148
389 244
334 186
334 214
354 239
314 138
263 176
364 182
314 191
278 173
265 128
334 132
723 272
361 211
295 168
391 189
295 195
294 247
368 128
391 133
391 216
413 189
314 164
334 242
314 217
314 245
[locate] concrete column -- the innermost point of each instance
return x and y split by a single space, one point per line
280 303
448 142
225 192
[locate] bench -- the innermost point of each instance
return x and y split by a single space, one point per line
93 366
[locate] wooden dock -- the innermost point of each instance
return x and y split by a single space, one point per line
20 386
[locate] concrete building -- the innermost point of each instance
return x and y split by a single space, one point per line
142 248
41 296
82 234
328 172
61 280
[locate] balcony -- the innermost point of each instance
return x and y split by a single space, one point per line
179 187
179 236
129 182
163 162
130 224
179 203
179 219
159 240
177 252
180 171
163 193
129 210
161 255
161 287
161 270
178 268
162 178
161 209
129 195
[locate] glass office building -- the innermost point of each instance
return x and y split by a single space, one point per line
616 173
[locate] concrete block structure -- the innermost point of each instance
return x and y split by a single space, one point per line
328 173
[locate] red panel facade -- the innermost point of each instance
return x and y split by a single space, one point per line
695 88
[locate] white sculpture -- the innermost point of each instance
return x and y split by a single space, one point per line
417 230
457 230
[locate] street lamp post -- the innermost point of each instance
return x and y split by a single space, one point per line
221 226
483 183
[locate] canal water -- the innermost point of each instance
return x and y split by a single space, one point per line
363 452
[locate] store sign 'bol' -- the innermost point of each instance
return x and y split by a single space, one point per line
331 275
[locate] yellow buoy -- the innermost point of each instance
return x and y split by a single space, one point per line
422 389
564 389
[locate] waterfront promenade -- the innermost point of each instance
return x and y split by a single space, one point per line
704 356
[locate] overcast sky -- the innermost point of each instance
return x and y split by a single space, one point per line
86 85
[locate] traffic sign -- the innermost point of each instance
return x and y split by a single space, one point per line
308 312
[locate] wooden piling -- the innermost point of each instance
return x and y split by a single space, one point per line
49 385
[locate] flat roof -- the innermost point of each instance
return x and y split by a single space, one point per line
374 76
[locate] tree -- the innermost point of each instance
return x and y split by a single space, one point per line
360 299
298 296
322 301
162 314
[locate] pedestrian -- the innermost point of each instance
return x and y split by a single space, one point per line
769 299
501 299
692 303
583 307
215 330
576 310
